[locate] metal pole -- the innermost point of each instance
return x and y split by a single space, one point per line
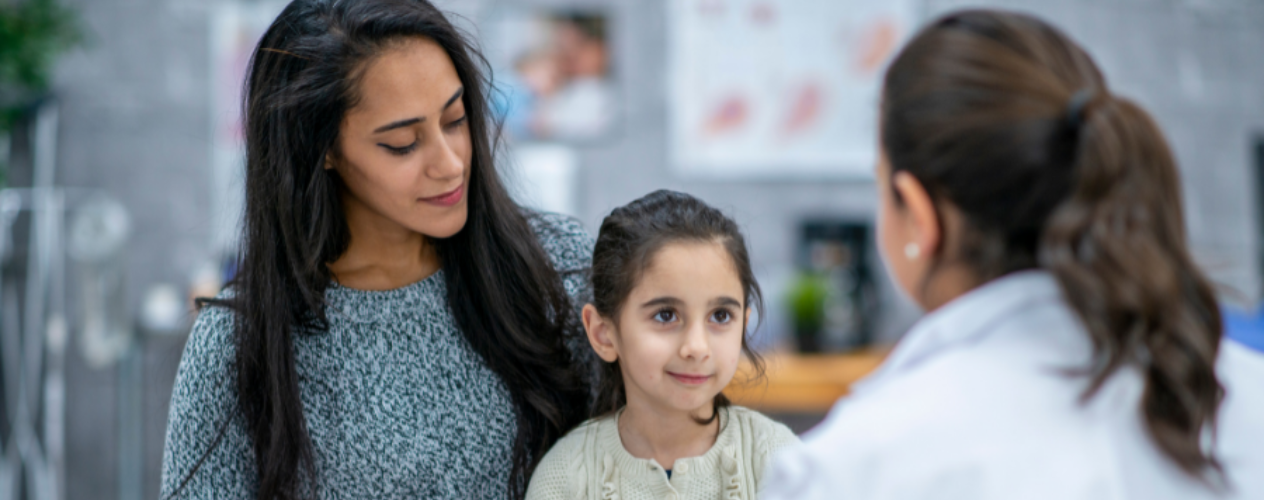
41 474
10 349
130 428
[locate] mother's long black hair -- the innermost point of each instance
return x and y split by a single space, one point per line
505 295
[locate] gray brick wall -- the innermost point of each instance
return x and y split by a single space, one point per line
136 123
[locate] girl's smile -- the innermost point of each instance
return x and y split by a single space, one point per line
690 379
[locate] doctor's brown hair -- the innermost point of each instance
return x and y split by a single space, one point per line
1006 119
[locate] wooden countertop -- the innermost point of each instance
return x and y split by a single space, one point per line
803 383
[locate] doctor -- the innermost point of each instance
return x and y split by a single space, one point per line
1072 348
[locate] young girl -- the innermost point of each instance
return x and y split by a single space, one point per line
672 294
1072 347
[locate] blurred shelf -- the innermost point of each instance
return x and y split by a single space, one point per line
803 383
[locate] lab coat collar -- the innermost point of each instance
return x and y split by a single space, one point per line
965 321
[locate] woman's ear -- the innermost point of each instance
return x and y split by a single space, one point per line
600 334
927 232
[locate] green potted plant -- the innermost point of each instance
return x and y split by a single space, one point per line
32 34
806 300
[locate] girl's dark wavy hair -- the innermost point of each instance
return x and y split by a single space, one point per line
629 238
1005 118
506 297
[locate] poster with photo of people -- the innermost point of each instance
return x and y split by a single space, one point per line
552 74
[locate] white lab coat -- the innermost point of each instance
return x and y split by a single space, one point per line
979 402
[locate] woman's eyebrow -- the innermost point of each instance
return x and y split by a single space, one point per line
413 121
399 124
459 92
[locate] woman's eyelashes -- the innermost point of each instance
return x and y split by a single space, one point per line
454 124
401 150
405 150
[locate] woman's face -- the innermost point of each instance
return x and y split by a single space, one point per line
404 149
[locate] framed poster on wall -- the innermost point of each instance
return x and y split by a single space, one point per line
779 89
552 72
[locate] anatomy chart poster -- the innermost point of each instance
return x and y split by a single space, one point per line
780 88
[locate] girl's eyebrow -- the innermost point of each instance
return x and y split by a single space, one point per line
673 301
662 301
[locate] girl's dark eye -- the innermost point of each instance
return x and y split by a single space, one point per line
721 316
402 150
457 122
665 316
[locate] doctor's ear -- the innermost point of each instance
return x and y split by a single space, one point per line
920 213
600 334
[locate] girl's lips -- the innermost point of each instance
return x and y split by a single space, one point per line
689 379
447 199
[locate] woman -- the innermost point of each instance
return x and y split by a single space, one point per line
1072 347
399 328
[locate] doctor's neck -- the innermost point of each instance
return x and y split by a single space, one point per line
945 285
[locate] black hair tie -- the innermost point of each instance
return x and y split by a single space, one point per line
1075 107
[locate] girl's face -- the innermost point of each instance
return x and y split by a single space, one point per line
404 149
678 338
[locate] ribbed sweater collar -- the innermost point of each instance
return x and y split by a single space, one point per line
609 440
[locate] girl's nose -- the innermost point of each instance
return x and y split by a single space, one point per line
696 344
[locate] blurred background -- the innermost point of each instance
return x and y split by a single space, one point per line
121 166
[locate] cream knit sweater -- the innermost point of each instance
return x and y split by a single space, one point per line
591 463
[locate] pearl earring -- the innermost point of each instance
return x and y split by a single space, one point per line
911 251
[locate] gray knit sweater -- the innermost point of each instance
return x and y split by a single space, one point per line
396 402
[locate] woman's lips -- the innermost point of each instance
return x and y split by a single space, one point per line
447 199
690 379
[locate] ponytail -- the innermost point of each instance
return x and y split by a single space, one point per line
1117 248
1009 121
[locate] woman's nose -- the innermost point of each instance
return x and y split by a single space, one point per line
444 163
